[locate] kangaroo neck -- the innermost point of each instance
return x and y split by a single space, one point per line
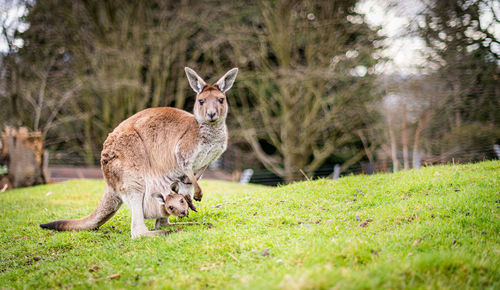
213 131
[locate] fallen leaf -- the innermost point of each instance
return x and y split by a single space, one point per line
94 268
265 252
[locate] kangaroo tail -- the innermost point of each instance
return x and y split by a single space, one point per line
107 207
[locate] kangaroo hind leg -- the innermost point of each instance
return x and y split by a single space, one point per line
106 208
138 226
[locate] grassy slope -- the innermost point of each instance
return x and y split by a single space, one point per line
436 227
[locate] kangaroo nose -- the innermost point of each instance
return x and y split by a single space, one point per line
212 115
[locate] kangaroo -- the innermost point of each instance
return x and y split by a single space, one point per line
156 150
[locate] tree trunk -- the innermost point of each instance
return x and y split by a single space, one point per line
393 148
421 125
289 176
24 153
404 141
292 164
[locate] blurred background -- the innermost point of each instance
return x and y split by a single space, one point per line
326 88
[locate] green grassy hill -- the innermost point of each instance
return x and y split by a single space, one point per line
438 227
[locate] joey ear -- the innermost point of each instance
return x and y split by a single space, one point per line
175 187
195 81
227 81
159 197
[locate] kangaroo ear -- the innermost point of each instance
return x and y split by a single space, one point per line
227 81
159 197
175 187
195 81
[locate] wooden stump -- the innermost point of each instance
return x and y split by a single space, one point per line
4 183
23 153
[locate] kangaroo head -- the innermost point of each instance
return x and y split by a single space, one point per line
211 104
174 204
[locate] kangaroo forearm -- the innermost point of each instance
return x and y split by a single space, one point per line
200 173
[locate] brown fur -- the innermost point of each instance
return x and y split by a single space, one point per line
138 143
154 151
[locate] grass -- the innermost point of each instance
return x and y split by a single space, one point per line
438 227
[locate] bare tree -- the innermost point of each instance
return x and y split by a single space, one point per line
306 101
408 106
96 64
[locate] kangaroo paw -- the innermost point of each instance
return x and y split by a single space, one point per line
198 195
197 190
190 202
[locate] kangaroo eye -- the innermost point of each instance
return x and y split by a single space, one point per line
221 100
182 201
171 207
201 102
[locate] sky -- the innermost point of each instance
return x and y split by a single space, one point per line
9 16
406 52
